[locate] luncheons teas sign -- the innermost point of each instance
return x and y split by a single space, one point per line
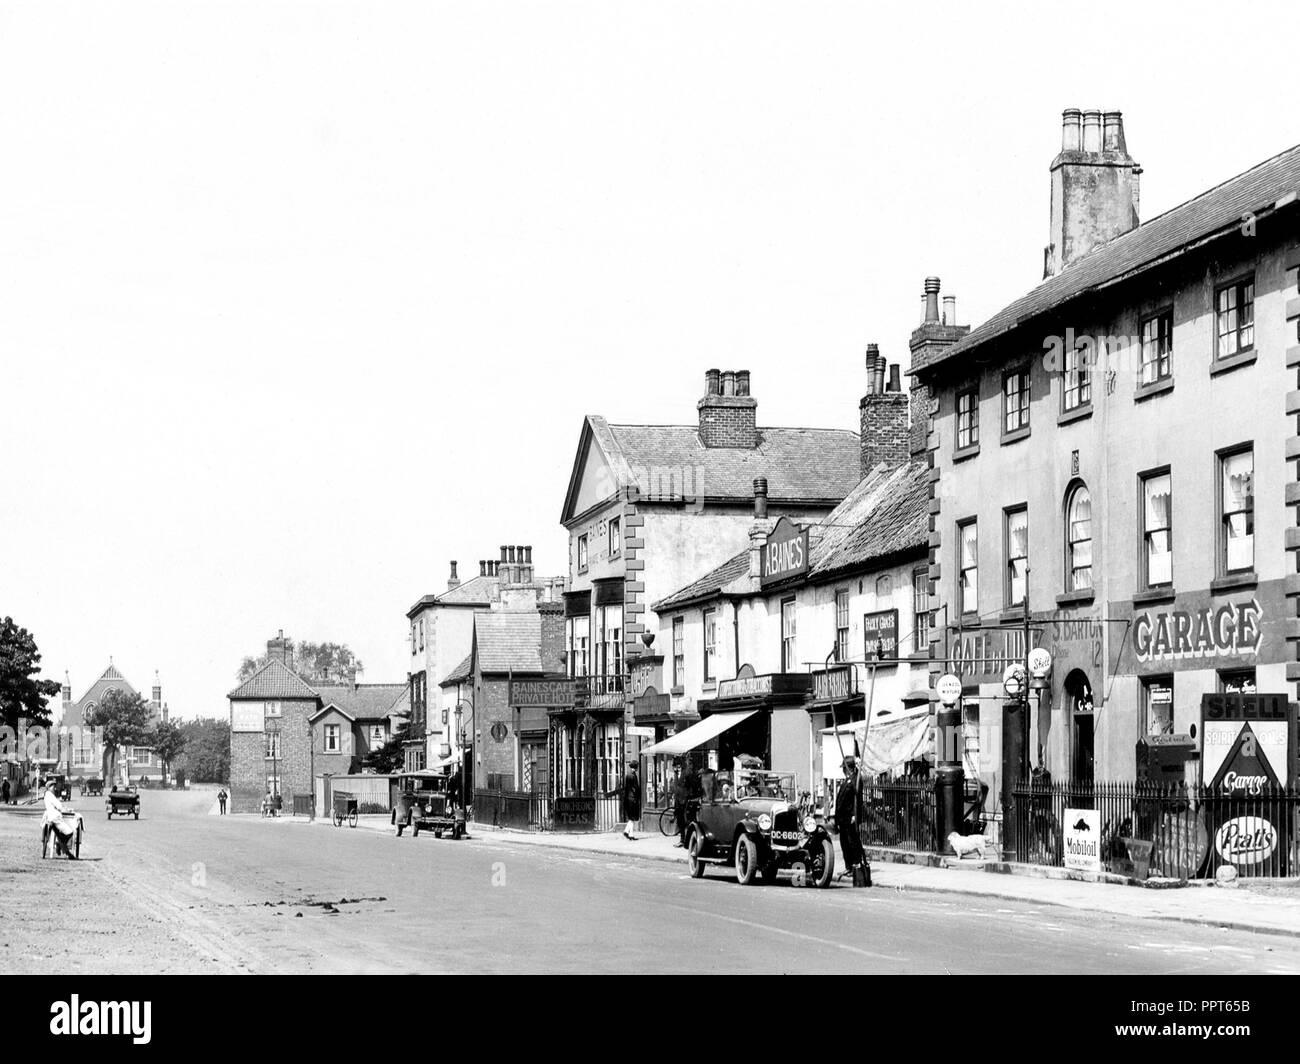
785 553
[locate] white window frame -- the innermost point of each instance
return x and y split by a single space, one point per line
332 732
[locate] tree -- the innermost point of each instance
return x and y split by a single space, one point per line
389 757
206 757
314 662
22 696
167 741
124 719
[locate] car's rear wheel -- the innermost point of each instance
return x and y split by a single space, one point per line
696 852
746 860
823 866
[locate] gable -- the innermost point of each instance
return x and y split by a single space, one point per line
596 482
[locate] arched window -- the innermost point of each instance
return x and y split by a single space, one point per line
1078 538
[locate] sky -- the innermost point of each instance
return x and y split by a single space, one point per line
298 301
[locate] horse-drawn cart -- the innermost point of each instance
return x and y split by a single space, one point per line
345 808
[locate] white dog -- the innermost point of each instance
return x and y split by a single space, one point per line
964 844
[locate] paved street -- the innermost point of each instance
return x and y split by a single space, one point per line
183 891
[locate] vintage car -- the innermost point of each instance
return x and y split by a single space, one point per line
123 801
748 818
424 800
93 786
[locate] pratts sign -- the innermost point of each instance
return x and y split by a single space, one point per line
785 553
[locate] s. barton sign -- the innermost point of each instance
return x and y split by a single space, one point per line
785 553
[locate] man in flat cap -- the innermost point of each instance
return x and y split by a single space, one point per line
848 817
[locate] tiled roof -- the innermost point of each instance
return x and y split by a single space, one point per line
668 462
1219 209
477 591
460 673
366 701
883 517
510 641
273 680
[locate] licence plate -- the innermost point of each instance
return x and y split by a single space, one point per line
786 836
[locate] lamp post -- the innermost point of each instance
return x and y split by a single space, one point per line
311 746
273 736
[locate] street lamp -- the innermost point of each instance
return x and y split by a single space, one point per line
273 737
311 746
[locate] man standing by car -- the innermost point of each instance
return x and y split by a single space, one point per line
221 797
848 815
678 791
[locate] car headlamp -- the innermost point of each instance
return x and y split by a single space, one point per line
810 823
765 822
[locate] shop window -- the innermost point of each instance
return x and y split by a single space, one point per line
842 625
710 645
1078 538
789 656
1237 681
1157 538
968 419
1235 317
1158 705
968 575
1017 551
1157 347
1237 505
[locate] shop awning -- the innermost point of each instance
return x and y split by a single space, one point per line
700 733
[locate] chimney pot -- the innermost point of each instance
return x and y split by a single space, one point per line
482 567
1071 135
894 382
760 498
712 381
1112 131
932 300
873 357
728 382
1092 131
950 310
528 554
742 382
503 554
519 555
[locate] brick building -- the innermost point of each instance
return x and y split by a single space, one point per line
81 755
283 729
650 507
1114 454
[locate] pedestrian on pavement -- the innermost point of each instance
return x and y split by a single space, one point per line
848 816
4 792
221 797
678 791
631 800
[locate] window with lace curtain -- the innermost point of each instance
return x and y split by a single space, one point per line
1017 549
1237 492
1078 539
968 562
1157 541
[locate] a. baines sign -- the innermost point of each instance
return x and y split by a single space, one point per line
785 553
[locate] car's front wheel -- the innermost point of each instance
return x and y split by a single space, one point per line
696 853
746 860
823 866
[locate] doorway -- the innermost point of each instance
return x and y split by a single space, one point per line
1082 768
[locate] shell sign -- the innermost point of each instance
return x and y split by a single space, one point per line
1246 840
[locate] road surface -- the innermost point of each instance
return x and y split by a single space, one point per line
184 891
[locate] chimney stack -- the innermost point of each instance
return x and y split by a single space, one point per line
453 581
1095 187
883 415
927 341
728 411
760 498
277 649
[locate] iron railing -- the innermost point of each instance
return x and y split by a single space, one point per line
1170 830
524 811
899 813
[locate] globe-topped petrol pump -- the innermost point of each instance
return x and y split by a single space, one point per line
949 775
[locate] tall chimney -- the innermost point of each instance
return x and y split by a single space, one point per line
277 649
931 300
760 498
728 417
926 344
453 581
1095 187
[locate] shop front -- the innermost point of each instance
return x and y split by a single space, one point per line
779 734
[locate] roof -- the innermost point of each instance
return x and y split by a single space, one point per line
1218 210
668 463
274 680
365 701
477 591
460 673
510 641
885 516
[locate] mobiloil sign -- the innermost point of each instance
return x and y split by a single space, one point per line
1248 748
